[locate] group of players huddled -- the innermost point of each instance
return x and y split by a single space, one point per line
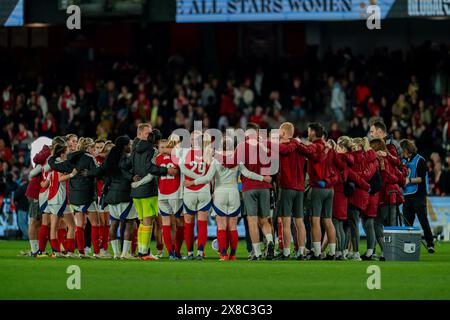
151 186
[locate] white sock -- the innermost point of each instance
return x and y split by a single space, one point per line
115 247
286 251
34 244
316 248
369 252
126 247
332 248
257 249
301 250
269 237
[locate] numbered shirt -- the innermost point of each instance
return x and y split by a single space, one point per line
57 190
169 187
193 167
45 176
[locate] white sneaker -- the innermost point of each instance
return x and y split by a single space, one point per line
356 257
105 254
116 257
70 255
128 257
160 254
87 250
349 255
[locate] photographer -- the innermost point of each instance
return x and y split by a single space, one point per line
415 191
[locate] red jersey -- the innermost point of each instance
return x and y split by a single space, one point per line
292 167
100 182
169 187
194 162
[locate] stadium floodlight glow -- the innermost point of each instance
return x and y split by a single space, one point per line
37 25
37 145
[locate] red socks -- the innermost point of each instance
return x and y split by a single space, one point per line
70 245
95 236
202 228
105 237
55 245
179 237
234 239
43 237
189 236
79 235
167 237
62 233
222 240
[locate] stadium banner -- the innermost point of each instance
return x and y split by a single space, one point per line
304 10
11 13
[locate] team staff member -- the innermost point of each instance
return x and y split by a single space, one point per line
415 191
322 192
145 197
291 180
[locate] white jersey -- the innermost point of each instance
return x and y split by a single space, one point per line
226 178
226 199
193 166
57 193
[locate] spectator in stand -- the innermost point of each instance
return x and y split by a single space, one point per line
297 98
66 104
7 97
401 110
49 127
338 101
335 133
141 108
6 154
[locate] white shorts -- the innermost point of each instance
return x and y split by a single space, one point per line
196 201
43 203
99 207
59 209
168 207
84 208
122 211
227 203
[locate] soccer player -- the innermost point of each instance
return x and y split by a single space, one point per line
44 231
256 194
145 197
387 197
32 193
117 188
170 201
58 204
102 149
349 180
320 177
196 198
82 192
226 201
392 154
291 180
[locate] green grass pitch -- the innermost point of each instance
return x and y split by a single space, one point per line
30 278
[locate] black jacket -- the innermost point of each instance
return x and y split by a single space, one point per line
82 190
141 165
117 186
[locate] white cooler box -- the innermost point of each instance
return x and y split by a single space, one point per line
402 243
